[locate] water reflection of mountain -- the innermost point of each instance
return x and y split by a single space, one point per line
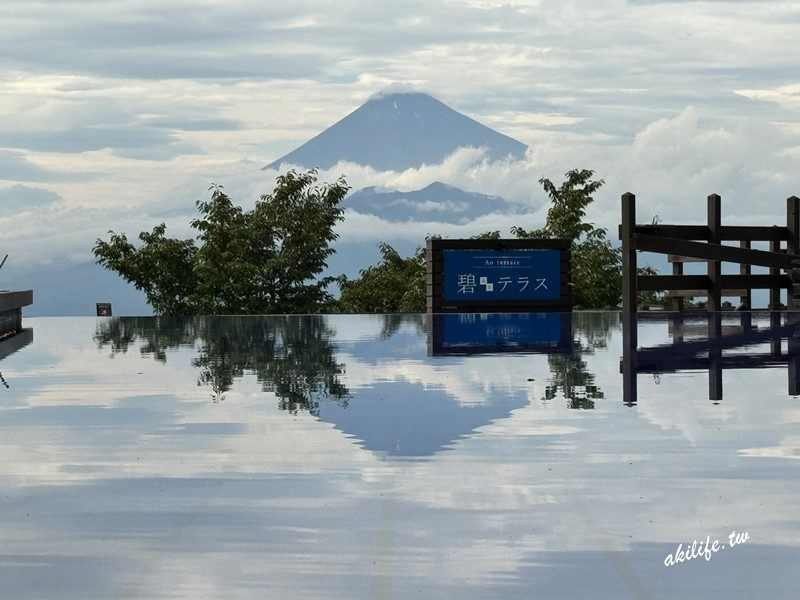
403 418
401 413
295 358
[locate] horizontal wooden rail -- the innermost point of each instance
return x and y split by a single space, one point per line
736 340
646 364
669 245
674 258
703 282
734 293
728 233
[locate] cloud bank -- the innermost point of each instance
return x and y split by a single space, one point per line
128 113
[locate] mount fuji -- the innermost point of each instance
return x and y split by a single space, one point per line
399 131
391 131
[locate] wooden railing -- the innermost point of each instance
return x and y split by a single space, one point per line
705 242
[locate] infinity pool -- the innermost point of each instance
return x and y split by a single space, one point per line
393 457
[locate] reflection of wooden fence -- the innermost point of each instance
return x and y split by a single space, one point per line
9 345
707 351
11 304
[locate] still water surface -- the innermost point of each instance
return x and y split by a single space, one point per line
353 457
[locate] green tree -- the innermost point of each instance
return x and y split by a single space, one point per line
596 264
650 298
395 284
565 217
265 260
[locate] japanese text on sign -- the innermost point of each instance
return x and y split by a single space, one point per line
502 275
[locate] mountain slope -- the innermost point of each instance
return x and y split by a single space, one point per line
436 202
397 132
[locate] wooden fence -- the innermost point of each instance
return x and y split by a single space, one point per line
705 242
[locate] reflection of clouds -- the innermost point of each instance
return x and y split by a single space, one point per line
788 448
679 404
196 499
468 381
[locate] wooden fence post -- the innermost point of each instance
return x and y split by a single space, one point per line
793 224
715 356
630 325
793 352
793 302
678 302
714 266
629 267
714 300
774 293
774 326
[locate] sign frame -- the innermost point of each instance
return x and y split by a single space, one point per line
437 303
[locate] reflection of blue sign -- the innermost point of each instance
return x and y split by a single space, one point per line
502 275
476 333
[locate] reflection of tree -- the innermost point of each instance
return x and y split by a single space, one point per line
291 356
392 322
155 334
595 327
569 375
569 372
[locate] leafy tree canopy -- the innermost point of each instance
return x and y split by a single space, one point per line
395 284
596 264
568 202
265 260
398 285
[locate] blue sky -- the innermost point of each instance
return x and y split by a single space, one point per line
117 113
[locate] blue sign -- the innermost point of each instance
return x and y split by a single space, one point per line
501 275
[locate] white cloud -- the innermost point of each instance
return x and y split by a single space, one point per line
787 96
672 101
671 164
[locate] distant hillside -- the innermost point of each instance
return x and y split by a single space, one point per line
397 132
436 202
74 290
